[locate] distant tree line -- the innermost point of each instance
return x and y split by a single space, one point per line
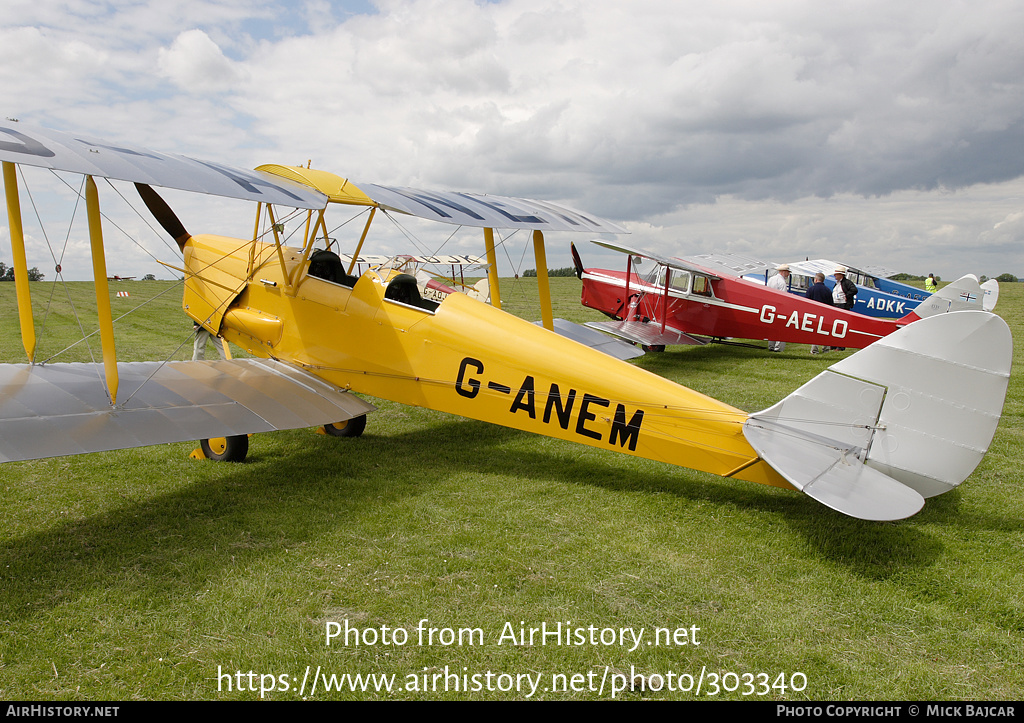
1002 278
567 271
7 273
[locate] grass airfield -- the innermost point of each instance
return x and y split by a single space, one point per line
142 574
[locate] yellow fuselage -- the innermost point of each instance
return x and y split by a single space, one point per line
465 358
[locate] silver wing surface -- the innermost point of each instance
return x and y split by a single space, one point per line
34 146
646 334
595 340
486 211
663 260
61 409
731 264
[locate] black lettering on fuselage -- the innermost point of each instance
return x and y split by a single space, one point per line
626 430
555 402
474 385
585 415
525 399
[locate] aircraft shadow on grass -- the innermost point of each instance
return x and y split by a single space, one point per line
180 540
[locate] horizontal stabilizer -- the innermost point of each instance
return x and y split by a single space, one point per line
832 474
919 407
596 340
646 334
60 409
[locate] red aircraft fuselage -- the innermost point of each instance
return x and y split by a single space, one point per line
729 307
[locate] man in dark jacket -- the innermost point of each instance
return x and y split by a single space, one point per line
845 292
818 291
823 295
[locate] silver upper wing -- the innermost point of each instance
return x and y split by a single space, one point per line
35 146
729 264
673 263
486 211
61 409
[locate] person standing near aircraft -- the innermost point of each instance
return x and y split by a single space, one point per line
844 294
819 292
930 285
779 282
199 346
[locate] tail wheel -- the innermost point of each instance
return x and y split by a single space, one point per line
653 347
350 428
226 449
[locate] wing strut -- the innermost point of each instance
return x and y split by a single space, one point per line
99 272
359 248
543 287
28 330
492 268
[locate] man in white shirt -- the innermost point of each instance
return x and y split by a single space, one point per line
780 282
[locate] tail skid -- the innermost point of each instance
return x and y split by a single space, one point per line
907 418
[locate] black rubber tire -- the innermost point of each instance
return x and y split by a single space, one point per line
226 449
653 348
351 428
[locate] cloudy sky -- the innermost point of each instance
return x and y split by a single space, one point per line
887 133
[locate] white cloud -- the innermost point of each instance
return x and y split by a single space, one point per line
790 124
196 64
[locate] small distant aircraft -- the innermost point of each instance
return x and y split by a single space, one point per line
877 295
908 418
679 302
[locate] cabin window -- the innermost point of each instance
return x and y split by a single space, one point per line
702 286
679 282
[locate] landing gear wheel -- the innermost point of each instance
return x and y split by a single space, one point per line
350 428
226 449
653 347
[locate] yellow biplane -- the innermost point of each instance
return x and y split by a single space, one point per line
907 418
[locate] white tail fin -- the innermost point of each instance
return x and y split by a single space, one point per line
991 291
964 294
909 417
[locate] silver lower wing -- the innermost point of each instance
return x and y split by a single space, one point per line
649 334
595 340
62 409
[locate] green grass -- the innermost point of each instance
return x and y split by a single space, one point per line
138 574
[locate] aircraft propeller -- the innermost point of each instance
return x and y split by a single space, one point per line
163 214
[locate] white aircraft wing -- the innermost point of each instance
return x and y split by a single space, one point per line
879 271
663 260
595 340
646 334
486 211
51 410
731 264
34 146
437 260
